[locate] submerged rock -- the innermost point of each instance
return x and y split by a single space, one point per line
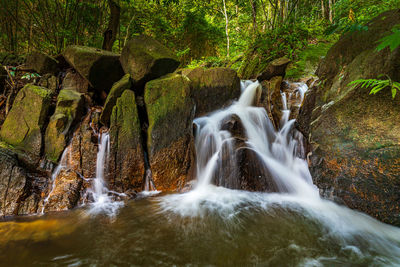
170 112
212 88
99 67
42 63
69 111
25 122
116 91
146 59
356 136
127 164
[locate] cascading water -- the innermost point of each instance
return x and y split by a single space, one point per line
102 201
277 151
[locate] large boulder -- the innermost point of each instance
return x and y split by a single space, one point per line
145 59
127 166
74 81
355 136
212 88
42 63
271 99
26 120
275 68
116 91
69 111
170 112
99 67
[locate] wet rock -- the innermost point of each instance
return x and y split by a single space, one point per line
66 192
74 81
146 59
49 81
69 111
304 118
99 67
170 142
25 122
12 182
275 68
212 88
42 63
127 157
234 126
355 136
271 99
116 91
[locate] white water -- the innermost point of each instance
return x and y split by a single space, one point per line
277 151
102 201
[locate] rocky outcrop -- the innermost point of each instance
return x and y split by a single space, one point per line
26 120
170 112
271 99
355 136
116 91
42 63
99 67
127 164
69 111
212 88
146 59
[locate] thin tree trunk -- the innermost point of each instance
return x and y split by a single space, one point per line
226 29
254 14
110 35
322 9
330 11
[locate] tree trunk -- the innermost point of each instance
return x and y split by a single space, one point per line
322 9
226 29
254 14
330 11
110 35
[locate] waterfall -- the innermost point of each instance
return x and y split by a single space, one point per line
275 149
102 201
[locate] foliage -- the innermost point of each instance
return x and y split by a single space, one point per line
392 41
377 85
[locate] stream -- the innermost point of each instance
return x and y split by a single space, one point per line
210 225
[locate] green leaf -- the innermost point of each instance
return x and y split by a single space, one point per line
392 41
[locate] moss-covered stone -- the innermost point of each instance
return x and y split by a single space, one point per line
275 68
101 68
24 124
355 136
212 88
69 110
170 113
116 91
145 59
42 63
127 158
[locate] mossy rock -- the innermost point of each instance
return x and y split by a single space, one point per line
212 88
25 122
170 112
275 68
69 110
169 108
99 67
116 91
42 63
126 170
145 59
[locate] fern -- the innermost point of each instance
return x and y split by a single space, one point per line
377 85
392 40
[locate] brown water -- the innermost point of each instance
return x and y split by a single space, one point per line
260 232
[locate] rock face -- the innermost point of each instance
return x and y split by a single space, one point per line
271 99
356 136
145 59
25 123
127 158
276 68
116 91
170 142
69 111
42 63
100 68
212 88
